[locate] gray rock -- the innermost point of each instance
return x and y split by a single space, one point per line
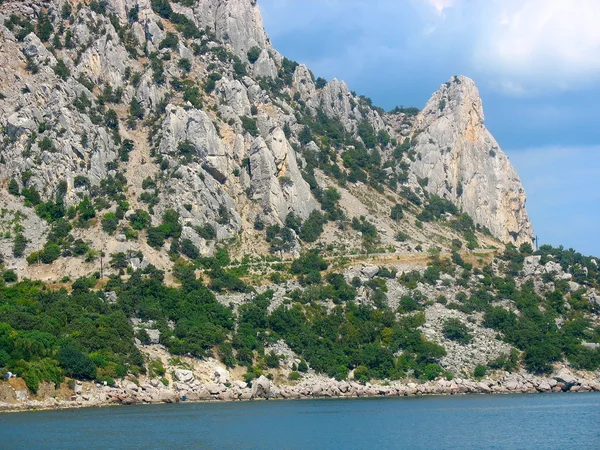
276 178
369 271
465 164
221 376
265 66
154 335
591 345
261 387
531 265
183 375
564 375
111 297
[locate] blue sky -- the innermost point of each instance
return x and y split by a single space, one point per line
535 62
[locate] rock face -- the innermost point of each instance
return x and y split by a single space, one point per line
261 388
238 22
131 107
276 179
463 162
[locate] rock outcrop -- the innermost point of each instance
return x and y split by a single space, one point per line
464 163
191 122
311 386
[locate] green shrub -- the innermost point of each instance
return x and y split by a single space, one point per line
35 372
61 69
294 376
506 362
47 255
188 248
408 304
239 69
222 280
254 54
479 371
249 124
432 371
192 94
110 222
455 330
111 119
207 231
312 227
361 374
136 110
320 83
397 213
44 27
156 237
226 355
539 356
303 367
184 64
4 358
19 245
76 364
309 262
10 276
170 41
211 82
436 208
272 360
119 261
13 187
139 220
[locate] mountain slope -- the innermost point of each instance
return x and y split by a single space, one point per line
227 144
178 189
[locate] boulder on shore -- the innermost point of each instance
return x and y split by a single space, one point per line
261 387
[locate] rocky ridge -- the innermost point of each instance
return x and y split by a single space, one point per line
463 162
140 138
58 141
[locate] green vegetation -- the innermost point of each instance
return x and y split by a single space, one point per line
249 125
170 228
47 334
457 331
170 41
253 54
56 333
211 82
61 69
479 371
436 208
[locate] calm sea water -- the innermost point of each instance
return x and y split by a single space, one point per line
557 421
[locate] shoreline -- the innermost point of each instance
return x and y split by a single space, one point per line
311 388
72 407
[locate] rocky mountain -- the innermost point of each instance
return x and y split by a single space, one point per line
191 99
464 163
178 189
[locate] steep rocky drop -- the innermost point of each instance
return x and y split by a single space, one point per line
463 162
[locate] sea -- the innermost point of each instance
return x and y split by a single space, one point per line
536 421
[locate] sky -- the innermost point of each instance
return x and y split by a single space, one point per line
536 64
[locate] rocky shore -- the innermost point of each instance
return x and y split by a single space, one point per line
188 388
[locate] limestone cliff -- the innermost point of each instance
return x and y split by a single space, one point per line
151 106
164 176
463 162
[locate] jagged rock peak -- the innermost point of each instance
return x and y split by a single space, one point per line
463 162
238 22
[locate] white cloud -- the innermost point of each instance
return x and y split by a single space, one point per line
518 47
441 5
536 44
